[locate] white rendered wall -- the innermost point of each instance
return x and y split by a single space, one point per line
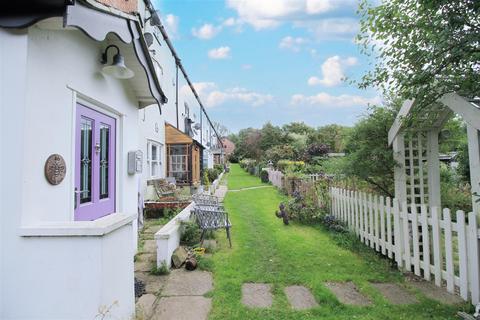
152 128
59 277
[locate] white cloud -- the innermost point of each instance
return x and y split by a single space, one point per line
332 28
293 44
333 71
212 96
171 24
206 32
247 66
324 99
266 14
219 53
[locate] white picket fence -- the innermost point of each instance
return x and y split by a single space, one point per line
275 177
428 242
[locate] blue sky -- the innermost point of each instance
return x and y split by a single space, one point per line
254 61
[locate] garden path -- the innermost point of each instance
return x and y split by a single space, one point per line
283 263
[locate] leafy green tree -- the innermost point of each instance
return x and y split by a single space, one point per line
270 136
280 152
424 48
369 156
453 135
333 136
298 128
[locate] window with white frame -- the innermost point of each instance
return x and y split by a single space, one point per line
154 158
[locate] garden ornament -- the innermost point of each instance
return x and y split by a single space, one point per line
282 213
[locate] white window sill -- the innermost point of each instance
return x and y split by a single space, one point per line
96 228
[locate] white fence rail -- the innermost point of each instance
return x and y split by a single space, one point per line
430 243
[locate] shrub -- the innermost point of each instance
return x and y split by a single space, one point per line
333 224
264 176
218 168
206 179
288 165
160 271
212 174
191 233
303 209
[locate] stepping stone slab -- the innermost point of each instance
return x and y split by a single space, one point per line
257 295
395 294
347 293
182 308
433 292
146 305
300 298
188 283
153 284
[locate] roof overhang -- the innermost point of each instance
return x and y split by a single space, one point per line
434 116
99 25
22 14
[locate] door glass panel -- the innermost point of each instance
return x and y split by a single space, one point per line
86 161
104 145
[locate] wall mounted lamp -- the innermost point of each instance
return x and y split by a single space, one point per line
117 69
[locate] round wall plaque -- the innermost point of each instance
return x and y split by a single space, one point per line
55 169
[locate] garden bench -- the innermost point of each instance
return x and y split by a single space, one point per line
212 220
206 200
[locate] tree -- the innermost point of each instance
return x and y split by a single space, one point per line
222 130
369 156
298 128
270 136
332 135
424 49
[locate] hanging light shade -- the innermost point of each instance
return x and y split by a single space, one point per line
117 69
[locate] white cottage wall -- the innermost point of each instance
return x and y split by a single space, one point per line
152 128
12 109
67 277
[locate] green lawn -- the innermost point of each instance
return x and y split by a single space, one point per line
238 178
264 250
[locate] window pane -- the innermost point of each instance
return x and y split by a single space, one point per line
86 161
154 152
104 145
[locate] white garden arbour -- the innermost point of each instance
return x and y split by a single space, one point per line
415 147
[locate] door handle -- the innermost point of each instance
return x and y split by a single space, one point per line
76 192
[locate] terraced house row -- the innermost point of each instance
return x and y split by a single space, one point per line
94 103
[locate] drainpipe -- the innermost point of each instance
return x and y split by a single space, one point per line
176 93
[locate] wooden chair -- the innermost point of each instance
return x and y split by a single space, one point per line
212 220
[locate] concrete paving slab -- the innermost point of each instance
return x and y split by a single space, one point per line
144 266
395 294
188 283
221 192
145 305
257 295
300 298
150 246
433 292
153 284
152 230
347 293
183 308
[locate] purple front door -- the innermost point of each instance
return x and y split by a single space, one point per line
94 164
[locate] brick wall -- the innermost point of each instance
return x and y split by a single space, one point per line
127 6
